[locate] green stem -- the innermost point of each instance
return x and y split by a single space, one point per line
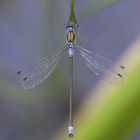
72 19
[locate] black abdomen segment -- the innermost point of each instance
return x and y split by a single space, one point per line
70 36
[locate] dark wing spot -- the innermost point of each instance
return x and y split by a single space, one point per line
19 72
119 75
121 66
25 78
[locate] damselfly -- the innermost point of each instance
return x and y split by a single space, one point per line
99 65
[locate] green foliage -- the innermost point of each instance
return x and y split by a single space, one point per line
112 113
72 18
117 116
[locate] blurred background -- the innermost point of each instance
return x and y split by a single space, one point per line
30 30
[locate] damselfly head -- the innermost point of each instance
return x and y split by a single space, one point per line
71 25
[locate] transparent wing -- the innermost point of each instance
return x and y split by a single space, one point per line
102 66
40 71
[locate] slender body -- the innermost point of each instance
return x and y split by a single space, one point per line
70 44
70 41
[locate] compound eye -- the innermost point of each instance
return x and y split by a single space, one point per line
65 26
76 26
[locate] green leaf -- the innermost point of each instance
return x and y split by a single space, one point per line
111 112
72 19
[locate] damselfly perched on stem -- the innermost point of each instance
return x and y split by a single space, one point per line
99 65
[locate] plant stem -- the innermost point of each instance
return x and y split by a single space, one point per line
72 19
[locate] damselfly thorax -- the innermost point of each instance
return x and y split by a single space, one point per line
70 39
70 35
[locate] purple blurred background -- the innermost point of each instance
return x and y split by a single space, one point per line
31 29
